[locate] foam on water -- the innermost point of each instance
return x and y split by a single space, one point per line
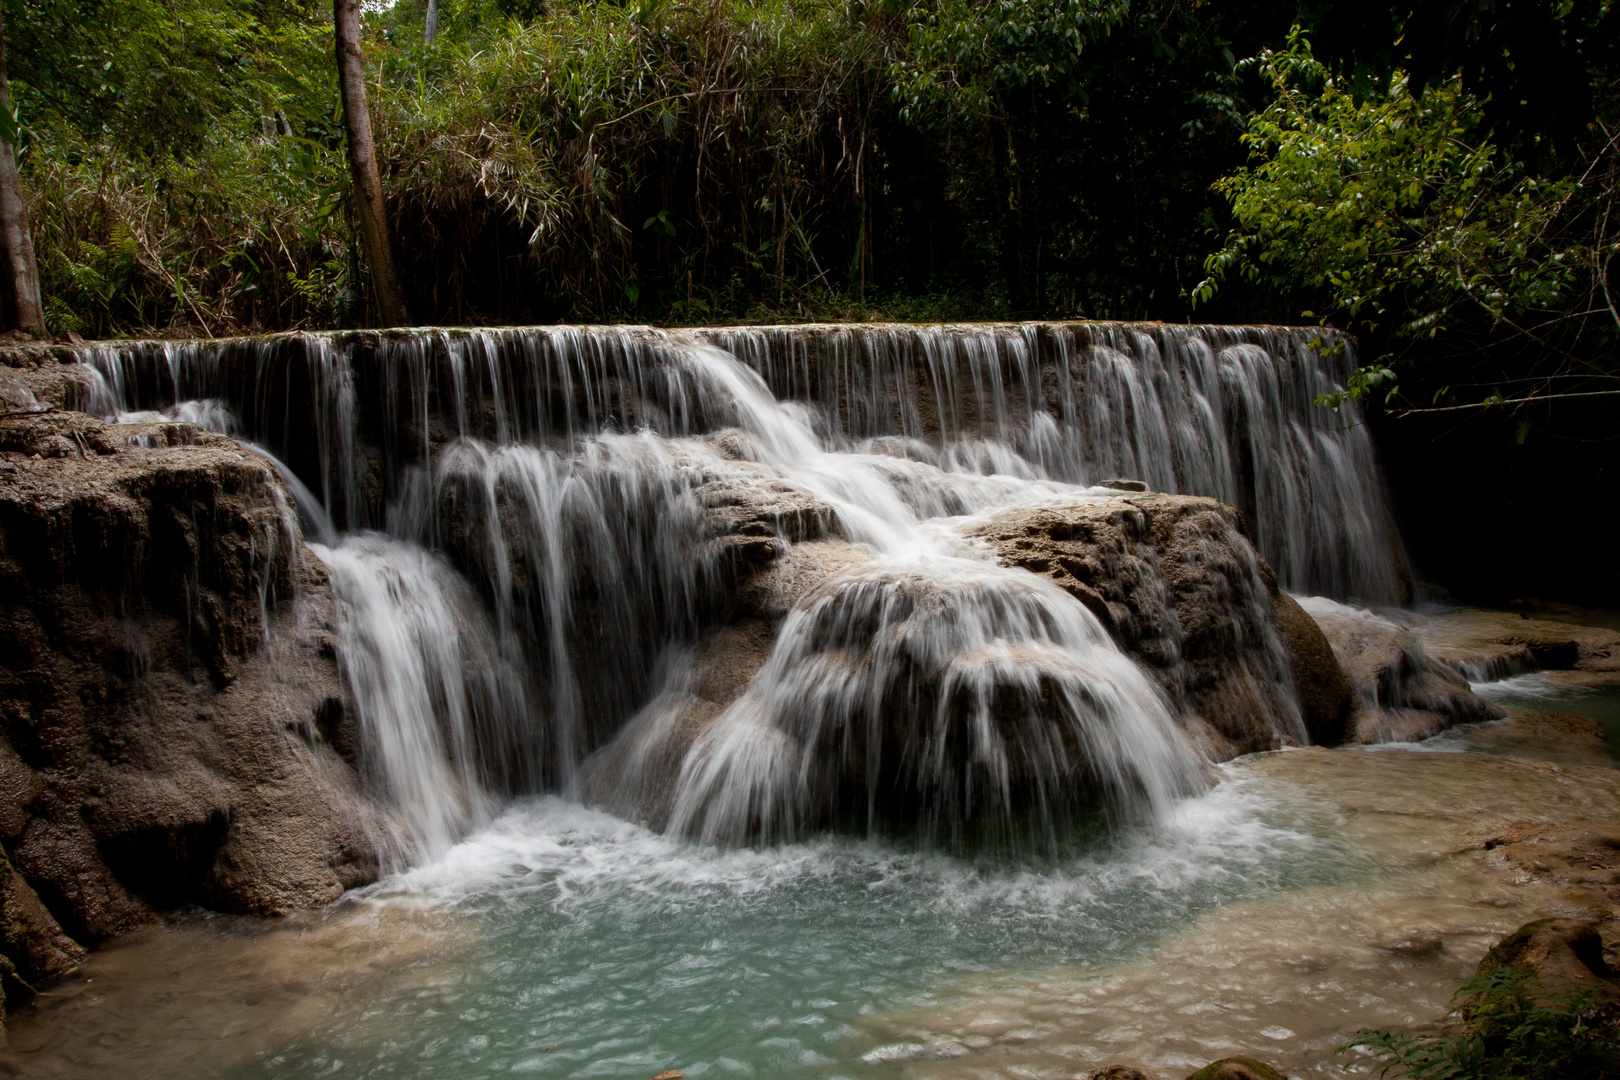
629 952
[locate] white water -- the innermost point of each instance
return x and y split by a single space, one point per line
1220 411
428 681
923 687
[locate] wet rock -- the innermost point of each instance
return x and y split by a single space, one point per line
1550 736
1402 693
1562 953
1237 1068
1326 698
1179 588
1120 1071
1422 941
1583 858
33 380
635 775
32 943
1488 645
1124 485
161 682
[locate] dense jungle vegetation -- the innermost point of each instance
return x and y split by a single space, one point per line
1441 180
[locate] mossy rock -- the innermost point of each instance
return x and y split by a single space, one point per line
1237 1068
1557 950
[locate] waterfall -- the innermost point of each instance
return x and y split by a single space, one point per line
1221 411
526 530
430 684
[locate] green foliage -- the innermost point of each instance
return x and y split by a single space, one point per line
965 56
1398 216
158 77
1393 207
660 159
1504 1025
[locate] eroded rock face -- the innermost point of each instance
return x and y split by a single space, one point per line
1179 588
169 697
1402 693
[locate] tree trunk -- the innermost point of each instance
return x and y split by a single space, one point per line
430 29
19 278
368 200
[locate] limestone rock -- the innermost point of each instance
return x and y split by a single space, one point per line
1582 858
635 774
1120 1071
1560 952
1326 698
1237 1068
1488 645
1181 590
1402 693
167 685
30 939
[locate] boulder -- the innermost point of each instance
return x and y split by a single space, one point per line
1237 1068
1326 698
1180 589
1562 953
169 693
1402 693
1120 1071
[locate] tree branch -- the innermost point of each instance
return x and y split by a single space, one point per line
1512 401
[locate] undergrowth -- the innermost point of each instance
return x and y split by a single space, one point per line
1505 1024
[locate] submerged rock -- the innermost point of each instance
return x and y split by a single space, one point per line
169 695
1121 1071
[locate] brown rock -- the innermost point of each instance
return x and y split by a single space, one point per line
1237 1068
1567 854
1180 588
1499 644
1120 1071
30 939
1402 693
167 691
1326 698
1560 952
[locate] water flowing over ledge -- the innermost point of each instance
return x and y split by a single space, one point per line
544 543
1209 410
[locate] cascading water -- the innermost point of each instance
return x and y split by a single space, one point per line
571 480
429 683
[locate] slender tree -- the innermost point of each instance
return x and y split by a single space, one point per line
19 278
368 200
430 29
